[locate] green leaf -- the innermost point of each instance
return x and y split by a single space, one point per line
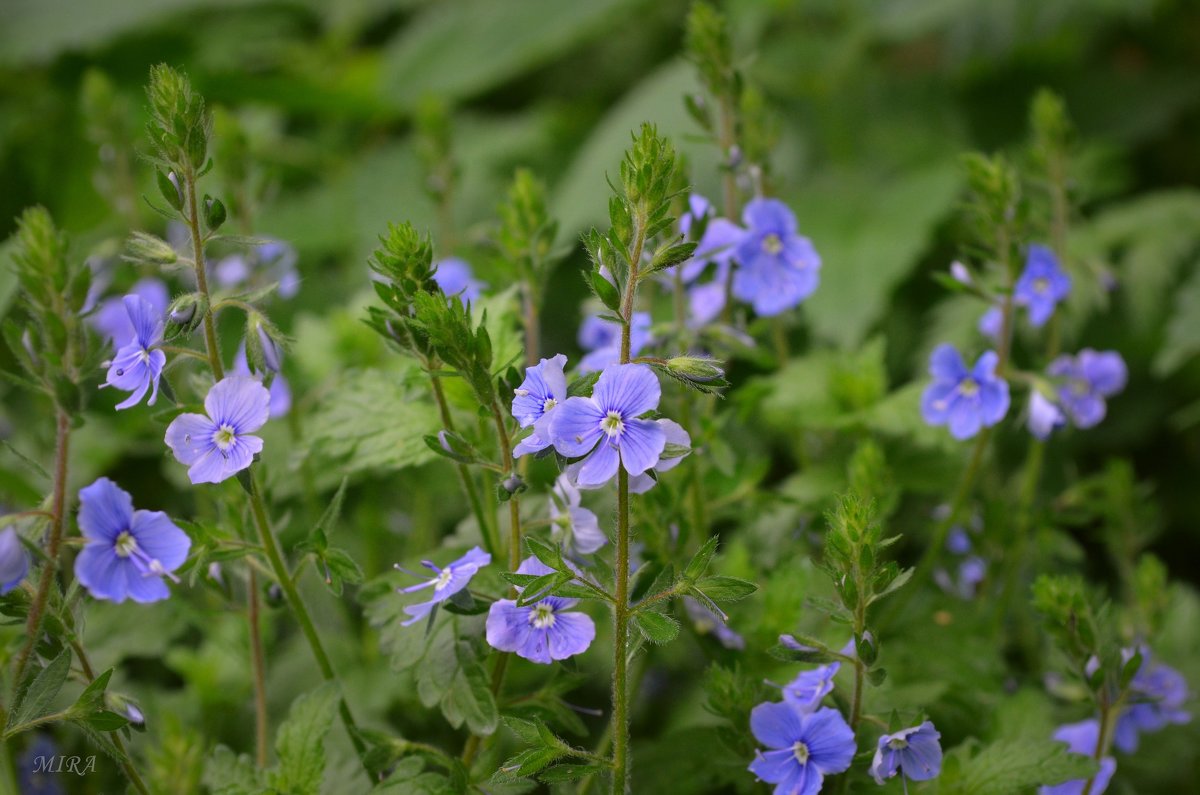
699 562
527 763
1010 766
657 628
725 589
300 742
1183 329
560 773
410 778
92 697
452 677
227 773
36 699
605 291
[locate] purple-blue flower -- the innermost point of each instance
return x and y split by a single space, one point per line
454 277
280 390
445 582
809 688
779 268
1042 285
914 752
534 401
572 525
675 436
966 400
991 323
128 552
1085 380
803 747
219 445
1044 415
1157 695
14 560
541 632
273 261
138 364
606 427
1082 738
111 319
602 339
706 301
706 620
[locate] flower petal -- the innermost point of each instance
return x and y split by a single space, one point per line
239 401
105 510
575 428
630 389
641 444
190 437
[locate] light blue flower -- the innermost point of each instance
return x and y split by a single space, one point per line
534 401
803 747
541 632
138 364
220 445
576 528
966 400
1042 285
14 560
914 752
1082 738
454 277
1085 380
602 339
810 687
445 582
778 268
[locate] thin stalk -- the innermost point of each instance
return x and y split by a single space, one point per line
292 595
695 494
464 475
726 139
126 766
37 610
210 330
259 667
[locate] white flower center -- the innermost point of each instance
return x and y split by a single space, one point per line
548 404
542 616
772 244
126 544
968 387
1041 285
443 579
224 437
800 751
897 743
144 355
613 425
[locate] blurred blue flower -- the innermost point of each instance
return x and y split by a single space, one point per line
1158 694
803 747
14 560
35 765
138 365
541 632
966 400
602 339
706 621
914 752
991 323
454 277
280 390
1044 415
606 427
1085 380
810 687
111 319
445 582
1042 285
1082 738
778 267
273 261
128 552
219 445
534 401
576 528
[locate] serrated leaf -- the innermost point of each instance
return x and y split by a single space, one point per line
657 628
36 699
300 742
1010 766
226 773
452 677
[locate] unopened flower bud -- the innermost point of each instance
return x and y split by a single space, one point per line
696 368
214 213
960 273
151 250
187 312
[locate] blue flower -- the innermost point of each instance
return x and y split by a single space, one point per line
575 527
543 631
534 401
606 427
804 747
1082 738
1042 285
809 688
991 323
602 338
14 560
676 436
914 752
454 277
280 391
219 445
1085 380
778 267
111 319
1044 415
966 400
1158 693
274 261
138 365
446 582
706 620
706 301
128 552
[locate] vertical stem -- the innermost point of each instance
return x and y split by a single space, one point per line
464 475
258 663
726 141
126 766
210 331
37 610
532 323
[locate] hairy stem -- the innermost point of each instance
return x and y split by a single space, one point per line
210 329
127 765
259 665
37 610
486 529
726 140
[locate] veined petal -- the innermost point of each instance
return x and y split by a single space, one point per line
599 467
575 428
776 724
190 437
630 389
160 538
105 510
239 401
571 634
641 444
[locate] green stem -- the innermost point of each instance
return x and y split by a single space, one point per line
725 141
465 480
126 766
259 667
37 610
210 330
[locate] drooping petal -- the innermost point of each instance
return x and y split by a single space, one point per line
964 418
144 588
105 510
240 402
100 571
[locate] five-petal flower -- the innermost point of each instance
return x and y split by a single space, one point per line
445 582
541 632
966 400
804 747
219 445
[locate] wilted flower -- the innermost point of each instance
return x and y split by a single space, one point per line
914 752
534 401
454 277
966 400
445 582
606 427
778 268
219 445
1082 738
128 552
1042 285
542 632
707 620
809 688
602 339
804 747
138 365
571 524
14 560
1086 380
